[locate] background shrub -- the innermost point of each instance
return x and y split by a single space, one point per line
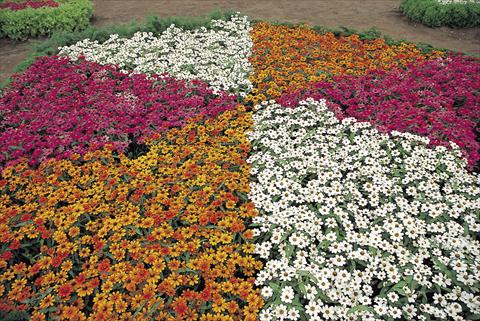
71 15
434 14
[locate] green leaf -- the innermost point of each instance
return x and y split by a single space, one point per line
399 288
137 311
289 250
136 230
153 308
275 287
185 269
302 289
16 148
308 275
360 308
443 268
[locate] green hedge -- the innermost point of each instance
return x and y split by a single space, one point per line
433 14
71 15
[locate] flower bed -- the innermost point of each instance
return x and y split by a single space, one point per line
131 195
160 237
438 99
34 19
58 107
218 55
35 4
457 1
360 225
286 58
437 13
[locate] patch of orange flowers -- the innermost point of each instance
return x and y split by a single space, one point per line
159 237
290 58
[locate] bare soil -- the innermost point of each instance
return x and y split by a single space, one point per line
361 15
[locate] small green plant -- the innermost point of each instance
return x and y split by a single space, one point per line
70 15
432 13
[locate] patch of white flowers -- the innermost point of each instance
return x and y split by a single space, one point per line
360 225
458 1
218 55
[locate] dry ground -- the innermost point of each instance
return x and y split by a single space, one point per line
358 14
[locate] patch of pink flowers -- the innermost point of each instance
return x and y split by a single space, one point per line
35 4
438 98
58 107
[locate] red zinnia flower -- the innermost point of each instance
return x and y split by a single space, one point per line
26 217
80 279
15 245
6 255
180 307
104 266
65 290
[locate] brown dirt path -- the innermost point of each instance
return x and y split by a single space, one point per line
361 15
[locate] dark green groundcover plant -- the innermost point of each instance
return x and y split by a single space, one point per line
70 15
434 14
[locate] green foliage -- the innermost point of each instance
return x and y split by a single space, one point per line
433 14
71 15
14 315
